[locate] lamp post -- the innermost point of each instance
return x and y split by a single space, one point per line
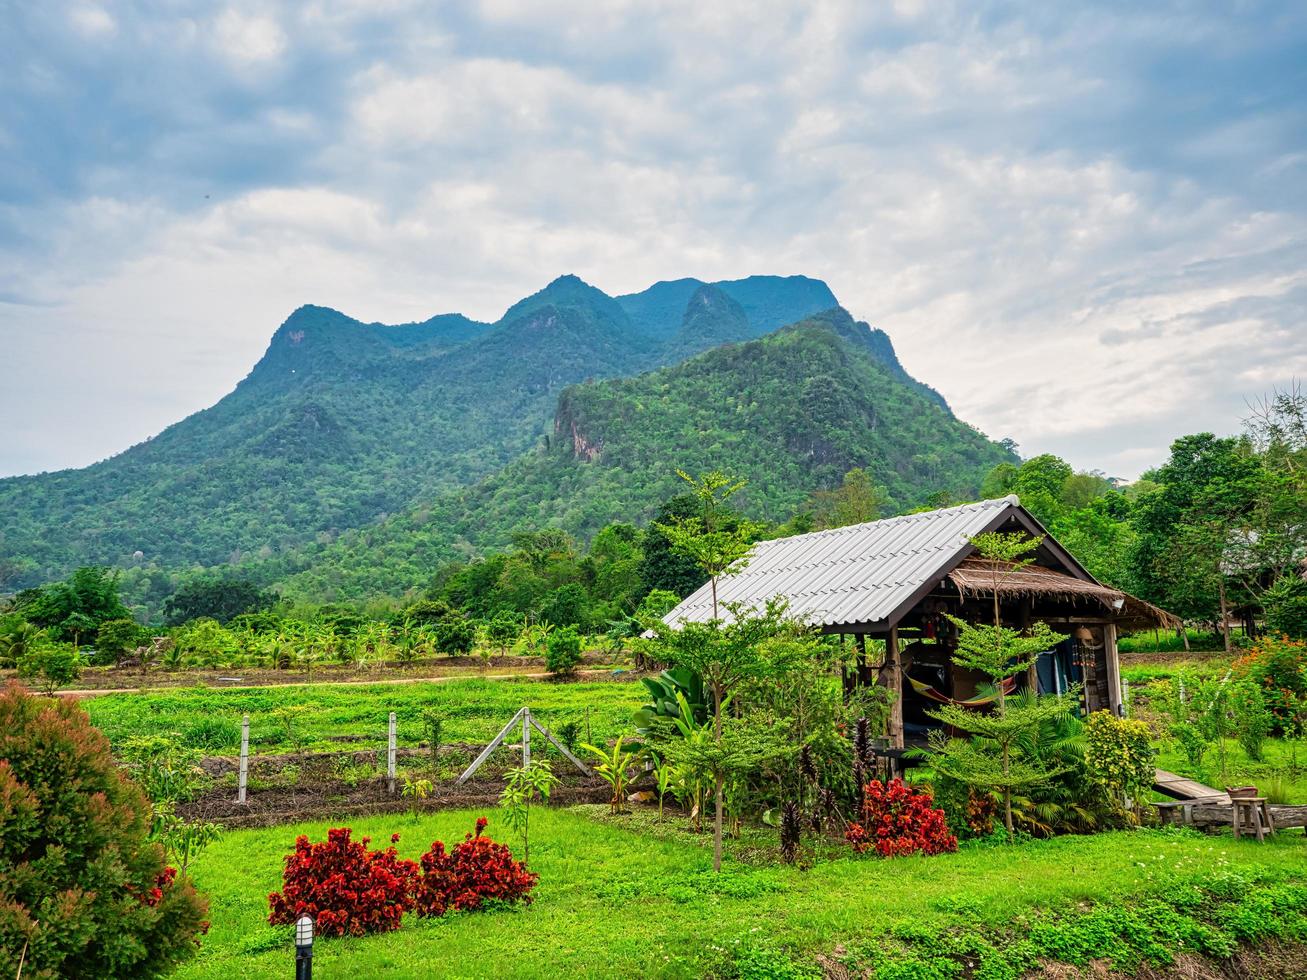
304 948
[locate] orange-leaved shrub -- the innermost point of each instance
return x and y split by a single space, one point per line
897 820
83 891
345 886
476 870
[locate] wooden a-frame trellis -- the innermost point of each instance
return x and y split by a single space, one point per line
524 716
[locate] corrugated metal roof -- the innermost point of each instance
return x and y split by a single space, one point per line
856 574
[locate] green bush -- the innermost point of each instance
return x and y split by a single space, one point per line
116 638
1253 720
1119 754
1278 666
563 651
85 892
456 634
1285 607
50 665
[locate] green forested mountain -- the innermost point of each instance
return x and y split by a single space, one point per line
791 413
342 423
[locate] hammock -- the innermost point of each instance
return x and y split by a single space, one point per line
979 701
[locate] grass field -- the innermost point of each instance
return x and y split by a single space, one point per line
474 711
614 900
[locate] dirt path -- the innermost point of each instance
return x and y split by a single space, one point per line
443 679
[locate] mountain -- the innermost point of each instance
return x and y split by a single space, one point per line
791 413
342 423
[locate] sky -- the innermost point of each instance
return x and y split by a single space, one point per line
1086 225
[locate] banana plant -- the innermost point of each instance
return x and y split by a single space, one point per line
613 766
669 691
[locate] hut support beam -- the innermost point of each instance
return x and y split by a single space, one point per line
1113 659
893 663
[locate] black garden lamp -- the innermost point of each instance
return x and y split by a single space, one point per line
304 948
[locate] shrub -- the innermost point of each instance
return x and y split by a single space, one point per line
1119 754
456 634
475 871
897 820
117 638
1276 664
347 888
85 892
563 651
1253 720
50 664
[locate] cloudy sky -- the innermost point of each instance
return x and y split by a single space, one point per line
1088 230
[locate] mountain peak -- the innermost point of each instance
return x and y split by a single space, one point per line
569 292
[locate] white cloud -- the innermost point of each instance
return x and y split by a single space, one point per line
1082 229
92 20
248 39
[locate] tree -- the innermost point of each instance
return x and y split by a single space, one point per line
712 537
663 567
49 664
563 651
118 637
855 501
456 634
74 608
220 597
724 655
86 893
999 652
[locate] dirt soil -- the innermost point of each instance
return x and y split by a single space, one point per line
319 792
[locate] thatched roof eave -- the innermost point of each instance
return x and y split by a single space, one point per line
976 577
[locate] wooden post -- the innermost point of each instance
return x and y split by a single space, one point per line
390 754
494 744
526 737
1116 703
243 778
896 687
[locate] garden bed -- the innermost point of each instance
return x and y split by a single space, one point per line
291 787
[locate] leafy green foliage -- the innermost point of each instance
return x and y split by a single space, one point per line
522 786
563 651
118 637
614 767
1120 758
220 597
74 609
48 664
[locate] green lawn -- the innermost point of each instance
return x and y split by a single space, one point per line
474 711
616 901
1275 775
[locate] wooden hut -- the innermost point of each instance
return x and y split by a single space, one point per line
894 581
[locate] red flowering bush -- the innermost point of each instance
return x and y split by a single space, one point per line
898 820
475 870
344 886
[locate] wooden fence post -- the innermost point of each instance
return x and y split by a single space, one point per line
526 737
390 754
245 759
